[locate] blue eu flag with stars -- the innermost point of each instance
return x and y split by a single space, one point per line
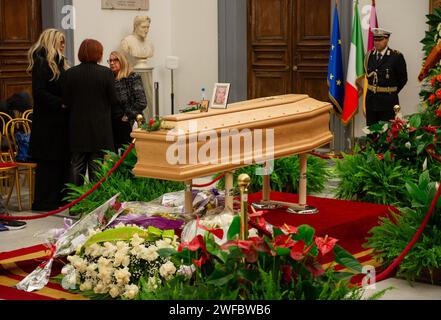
335 67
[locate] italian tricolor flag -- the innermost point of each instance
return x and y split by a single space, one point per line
355 69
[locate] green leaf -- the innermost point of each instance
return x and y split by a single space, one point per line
119 234
424 180
346 259
167 252
420 148
234 229
305 233
283 251
218 278
168 234
277 232
416 193
343 275
415 121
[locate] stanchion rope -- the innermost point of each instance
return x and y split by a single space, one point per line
95 187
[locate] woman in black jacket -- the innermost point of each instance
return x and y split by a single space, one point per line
131 98
89 93
48 141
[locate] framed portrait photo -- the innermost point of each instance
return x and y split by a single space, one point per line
220 96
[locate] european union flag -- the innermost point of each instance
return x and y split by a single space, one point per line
335 67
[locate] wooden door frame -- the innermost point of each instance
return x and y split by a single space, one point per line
434 4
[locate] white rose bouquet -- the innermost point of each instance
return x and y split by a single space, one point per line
115 262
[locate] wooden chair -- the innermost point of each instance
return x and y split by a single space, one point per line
28 168
28 114
9 175
4 119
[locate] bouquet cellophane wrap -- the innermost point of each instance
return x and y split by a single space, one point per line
67 243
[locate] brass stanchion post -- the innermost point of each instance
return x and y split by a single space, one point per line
243 182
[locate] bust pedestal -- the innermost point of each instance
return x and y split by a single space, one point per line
146 74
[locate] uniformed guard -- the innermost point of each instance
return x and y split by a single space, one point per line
387 75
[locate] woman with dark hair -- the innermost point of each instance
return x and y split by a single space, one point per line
48 141
89 93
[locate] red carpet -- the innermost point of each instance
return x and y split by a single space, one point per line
347 221
17 264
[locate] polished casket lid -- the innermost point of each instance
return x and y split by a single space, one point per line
297 123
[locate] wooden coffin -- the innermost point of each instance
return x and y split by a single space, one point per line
298 124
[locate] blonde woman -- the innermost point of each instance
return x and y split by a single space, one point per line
48 143
131 98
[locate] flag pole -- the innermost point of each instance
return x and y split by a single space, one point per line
353 136
331 153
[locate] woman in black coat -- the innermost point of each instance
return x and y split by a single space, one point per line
89 93
131 98
48 141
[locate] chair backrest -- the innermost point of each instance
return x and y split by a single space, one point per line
15 129
27 114
4 119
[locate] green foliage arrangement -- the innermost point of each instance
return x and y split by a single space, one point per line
285 177
393 234
122 181
368 177
432 36
262 268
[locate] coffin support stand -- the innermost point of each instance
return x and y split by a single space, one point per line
297 208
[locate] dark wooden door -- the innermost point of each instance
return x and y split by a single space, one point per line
20 27
288 47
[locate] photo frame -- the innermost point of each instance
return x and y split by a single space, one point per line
220 96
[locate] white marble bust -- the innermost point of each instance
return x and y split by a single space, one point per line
137 45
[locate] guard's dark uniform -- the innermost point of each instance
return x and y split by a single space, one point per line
386 78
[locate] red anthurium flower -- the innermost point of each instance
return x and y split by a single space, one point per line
289 229
287 274
297 251
315 268
197 243
433 81
194 245
260 245
283 241
325 244
438 94
261 223
251 256
380 156
438 113
201 261
432 99
430 129
151 122
438 78
242 244
217 232
397 126
182 246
